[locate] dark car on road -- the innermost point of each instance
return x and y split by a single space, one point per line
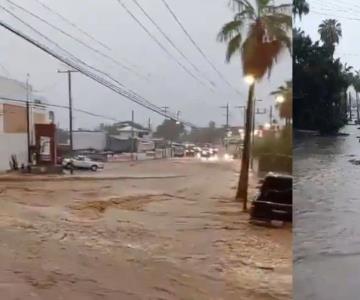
274 200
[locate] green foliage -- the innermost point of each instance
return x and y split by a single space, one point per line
320 84
274 144
300 8
170 131
330 33
285 108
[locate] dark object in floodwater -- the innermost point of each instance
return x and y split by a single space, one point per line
355 162
274 202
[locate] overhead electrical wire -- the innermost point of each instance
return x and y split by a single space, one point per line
76 39
171 42
59 106
198 48
72 24
72 56
91 75
155 39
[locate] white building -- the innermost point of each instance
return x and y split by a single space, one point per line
13 120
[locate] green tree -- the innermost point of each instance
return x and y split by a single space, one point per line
285 105
300 8
170 130
319 82
330 33
266 36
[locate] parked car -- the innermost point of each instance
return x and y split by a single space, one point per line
82 162
274 200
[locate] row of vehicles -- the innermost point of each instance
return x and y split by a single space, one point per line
191 150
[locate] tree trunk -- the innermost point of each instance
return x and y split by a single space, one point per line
242 190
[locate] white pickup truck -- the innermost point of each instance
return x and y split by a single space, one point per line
82 162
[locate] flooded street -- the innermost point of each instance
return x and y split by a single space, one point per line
178 237
327 200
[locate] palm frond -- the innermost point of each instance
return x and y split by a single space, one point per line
233 46
229 30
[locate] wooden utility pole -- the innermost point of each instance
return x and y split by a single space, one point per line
271 115
253 125
244 108
165 109
226 107
132 135
28 120
69 72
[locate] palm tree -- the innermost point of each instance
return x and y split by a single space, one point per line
267 35
330 33
356 85
285 106
300 7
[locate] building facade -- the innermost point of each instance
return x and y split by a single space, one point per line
13 120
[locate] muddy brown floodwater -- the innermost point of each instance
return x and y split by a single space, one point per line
165 238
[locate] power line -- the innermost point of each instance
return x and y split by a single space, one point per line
75 39
171 41
72 56
89 74
72 24
335 16
153 37
59 106
81 30
177 20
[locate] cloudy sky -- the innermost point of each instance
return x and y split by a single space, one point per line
154 75
346 13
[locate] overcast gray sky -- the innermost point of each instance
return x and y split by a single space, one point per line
167 83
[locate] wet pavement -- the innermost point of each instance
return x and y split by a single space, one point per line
327 209
156 238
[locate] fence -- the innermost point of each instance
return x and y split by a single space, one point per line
12 144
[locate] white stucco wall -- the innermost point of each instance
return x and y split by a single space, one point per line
15 143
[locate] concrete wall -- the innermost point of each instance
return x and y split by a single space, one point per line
12 144
89 140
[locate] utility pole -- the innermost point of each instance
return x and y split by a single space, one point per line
255 112
28 119
271 115
165 109
149 123
132 135
226 107
69 72
244 108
